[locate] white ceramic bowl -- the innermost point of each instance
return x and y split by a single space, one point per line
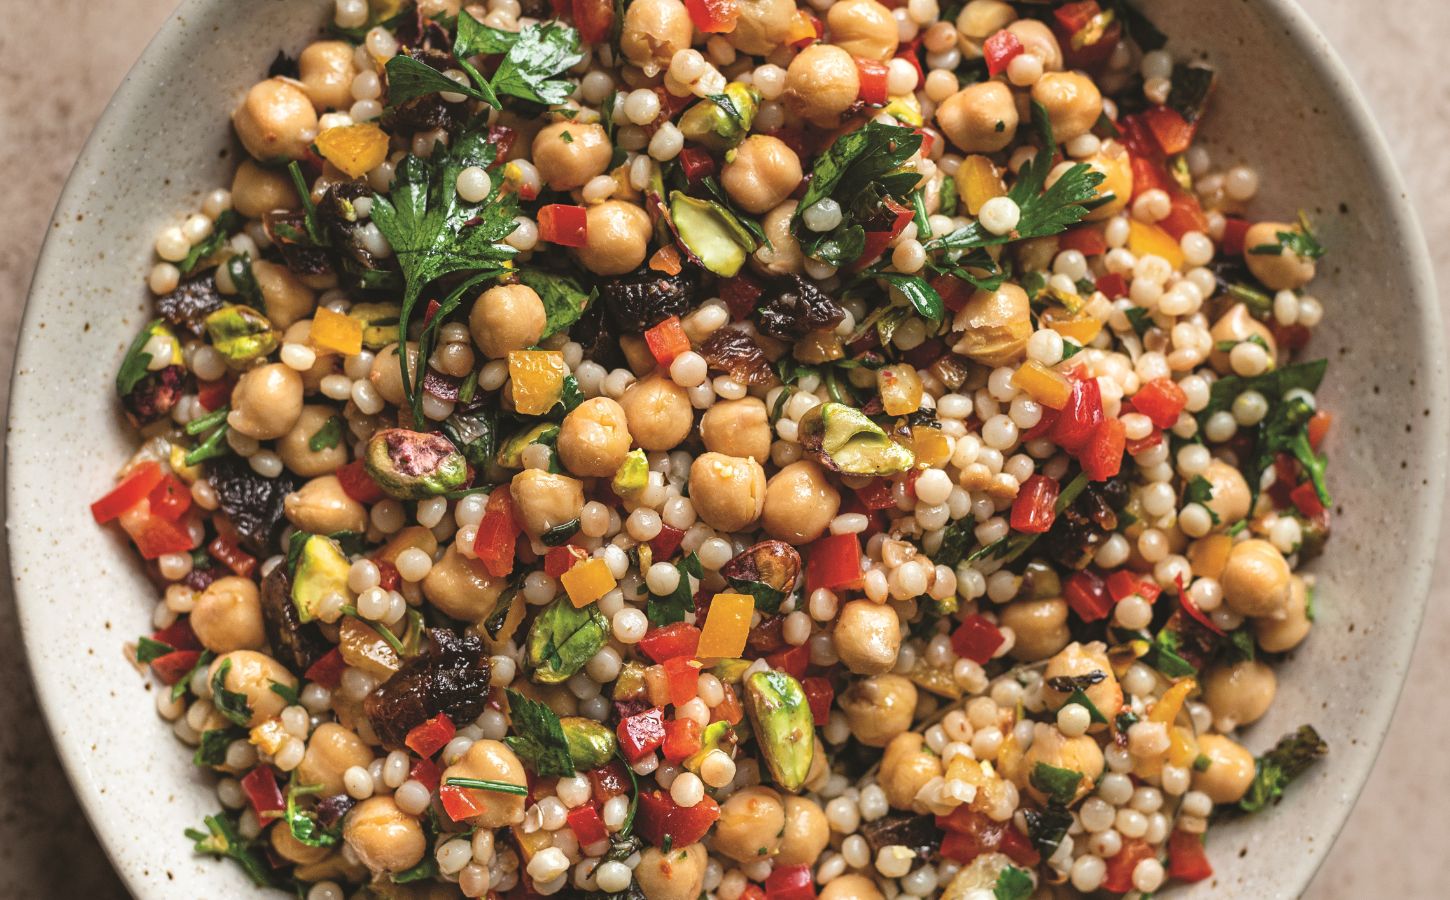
1285 105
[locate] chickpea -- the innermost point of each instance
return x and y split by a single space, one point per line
1080 754
806 833
762 26
461 587
653 32
301 458
1234 326
1230 501
763 171
868 637
782 255
492 761
385 838
228 616
658 412
995 325
544 500
980 19
979 118
618 238
266 402
879 708
594 438
677 875
507 317
728 491
738 428
276 121
1072 101
906 767
257 191
1038 40
284 296
321 506
799 503
386 373
1040 627
750 826
1239 694
1075 660
293 850
1279 635
1282 271
863 28
1230 769
1116 166
331 751
326 70
568 154
1255 580
252 675
821 84
850 887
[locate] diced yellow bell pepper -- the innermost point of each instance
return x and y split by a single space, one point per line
1208 555
979 180
1144 239
1171 703
1042 384
1080 328
537 378
355 149
727 625
587 582
336 331
268 736
531 842
900 389
930 446
906 108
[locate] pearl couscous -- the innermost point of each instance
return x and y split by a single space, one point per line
727 448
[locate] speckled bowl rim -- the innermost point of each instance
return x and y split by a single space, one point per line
1306 41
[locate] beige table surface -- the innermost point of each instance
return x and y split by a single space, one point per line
59 62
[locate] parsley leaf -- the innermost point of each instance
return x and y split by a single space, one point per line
303 823
1200 490
1059 784
1013 884
183 684
565 300
137 362
1302 243
857 160
148 649
1140 319
924 298
1274 771
230 704
212 749
326 437
222 839
664 610
532 65
538 737
226 225
423 871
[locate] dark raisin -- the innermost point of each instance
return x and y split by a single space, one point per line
733 351
296 645
287 229
793 307
252 503
644 298
903 829
449 676
193 300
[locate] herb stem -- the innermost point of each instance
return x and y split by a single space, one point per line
309 208
212 447
486 784
833 386
207 422
923 221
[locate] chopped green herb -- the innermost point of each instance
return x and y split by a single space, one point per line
212 750
1013 884
230 704
148 649
1275 770
222 839
485 784
226 225
303 823
1059 784
538 737
1301 243
664 610
326 437
183 684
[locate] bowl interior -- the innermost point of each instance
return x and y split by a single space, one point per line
1284 106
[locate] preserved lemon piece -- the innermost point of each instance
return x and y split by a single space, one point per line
900 389
537 377
337 332
1144 239
1042 384
355 149
979 180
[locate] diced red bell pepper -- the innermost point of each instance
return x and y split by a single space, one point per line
666 542
877 241
793 661
1044 425
561 559
594 19
260 786
1184 215
1191 608
155 537
967 834
805 40
170 499
327 671
1124 583
1034 509
977 639
684 679
696 163
1306 500
458 802
683 739
819 696
358 484
1119 878
670 641
178 636
728 709
999 50
659 815
1079 419
1161 400
1102 458
1154 438
753 892
1234 231
1112 285
497 537
174 666
1186 859
667 340
431 736
563 224
608 781
954 291
1085 239
1089 56
1017 847
790 883
225 549
134 488
1173 132
872 76
1318 427
1088 596
1076 16
212 395
740 294
1135 136
962 848
388 577
877 495
1149 174
641 734
426 773
586 824
833 562
713 16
